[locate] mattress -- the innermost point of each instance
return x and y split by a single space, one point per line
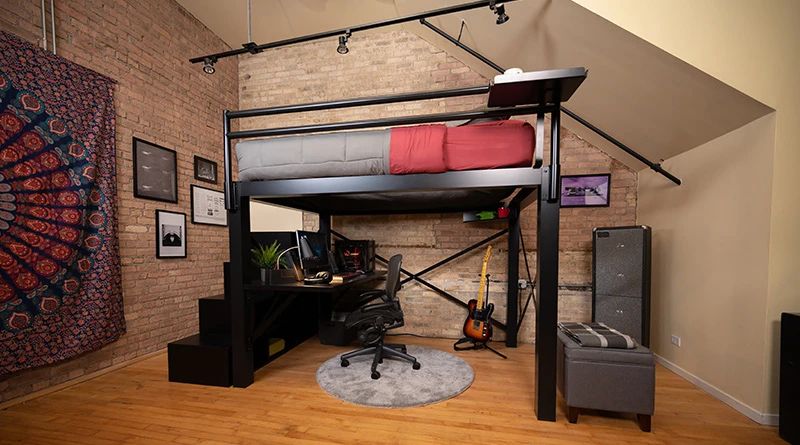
396 151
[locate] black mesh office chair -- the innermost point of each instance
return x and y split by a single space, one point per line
374 320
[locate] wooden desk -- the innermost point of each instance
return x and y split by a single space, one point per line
273 310
299 286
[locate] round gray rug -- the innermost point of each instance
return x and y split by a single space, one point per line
442 376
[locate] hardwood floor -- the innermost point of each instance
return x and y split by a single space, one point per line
137 405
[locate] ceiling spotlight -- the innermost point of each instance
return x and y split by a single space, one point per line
342 49
500 10
208 65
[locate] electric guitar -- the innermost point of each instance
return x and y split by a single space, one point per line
477 326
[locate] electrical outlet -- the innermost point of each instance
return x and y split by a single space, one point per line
675 340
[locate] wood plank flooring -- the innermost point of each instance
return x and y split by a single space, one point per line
137 405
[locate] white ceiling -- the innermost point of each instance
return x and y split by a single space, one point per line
651 101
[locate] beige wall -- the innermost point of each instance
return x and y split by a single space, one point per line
752 46
710 259
270 218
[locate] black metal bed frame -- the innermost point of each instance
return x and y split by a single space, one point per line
538 183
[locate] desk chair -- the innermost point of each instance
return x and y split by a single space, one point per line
374 320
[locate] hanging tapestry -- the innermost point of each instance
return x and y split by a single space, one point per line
60 292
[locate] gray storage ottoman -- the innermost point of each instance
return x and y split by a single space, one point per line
607 379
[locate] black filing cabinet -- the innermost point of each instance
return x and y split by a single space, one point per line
789 410
621 280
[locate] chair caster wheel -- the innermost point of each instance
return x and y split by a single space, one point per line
345 363
416 365
376 375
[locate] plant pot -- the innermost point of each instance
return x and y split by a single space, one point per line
279 276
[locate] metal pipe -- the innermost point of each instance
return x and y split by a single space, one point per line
606 136
555 155
53 24
342 31
228 165
376 100
405 120
655 166
249 38
44 27
474 53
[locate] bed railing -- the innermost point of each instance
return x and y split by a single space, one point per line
514 95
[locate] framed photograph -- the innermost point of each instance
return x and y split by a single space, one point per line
170 234
205 170
585 190
208 207
155 172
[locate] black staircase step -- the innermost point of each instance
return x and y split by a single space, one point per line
205 361
215 316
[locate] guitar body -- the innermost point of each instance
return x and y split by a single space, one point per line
477 326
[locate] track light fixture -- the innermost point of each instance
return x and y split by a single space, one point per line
500 10
342 49
208 65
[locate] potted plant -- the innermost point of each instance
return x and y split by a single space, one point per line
266 257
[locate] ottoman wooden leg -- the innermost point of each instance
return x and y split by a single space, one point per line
644 422
572 414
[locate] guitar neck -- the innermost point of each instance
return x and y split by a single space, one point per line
482 289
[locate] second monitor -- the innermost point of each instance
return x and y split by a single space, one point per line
314 251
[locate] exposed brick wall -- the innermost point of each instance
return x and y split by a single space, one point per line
145 46
399 62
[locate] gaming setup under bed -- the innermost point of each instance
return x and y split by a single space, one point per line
484 163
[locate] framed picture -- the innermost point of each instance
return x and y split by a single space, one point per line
170 234
585 190
208 207
205 170
155 172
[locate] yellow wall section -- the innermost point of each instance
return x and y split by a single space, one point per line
752 46
270 218
710 259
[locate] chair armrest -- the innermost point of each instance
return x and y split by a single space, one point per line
376 307
368 296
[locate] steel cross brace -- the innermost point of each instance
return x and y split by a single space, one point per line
438 290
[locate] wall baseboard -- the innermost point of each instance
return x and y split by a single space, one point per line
751 413
76 381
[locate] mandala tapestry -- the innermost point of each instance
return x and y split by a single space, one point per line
60 292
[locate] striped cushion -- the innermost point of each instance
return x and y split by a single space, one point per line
596 335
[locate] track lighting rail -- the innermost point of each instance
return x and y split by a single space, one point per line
248 48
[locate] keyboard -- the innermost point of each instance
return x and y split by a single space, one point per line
345 277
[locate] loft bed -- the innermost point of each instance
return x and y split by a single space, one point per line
533 93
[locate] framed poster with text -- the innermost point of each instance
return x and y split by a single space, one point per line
208 207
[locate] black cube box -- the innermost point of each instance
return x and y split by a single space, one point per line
355 255
333 333
203 362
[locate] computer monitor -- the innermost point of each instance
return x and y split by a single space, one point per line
314 248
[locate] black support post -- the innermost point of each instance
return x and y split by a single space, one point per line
325 223
512 295
547 297
241 347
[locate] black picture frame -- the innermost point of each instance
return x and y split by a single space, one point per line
171 236
155 171
208 206
205 170
592 190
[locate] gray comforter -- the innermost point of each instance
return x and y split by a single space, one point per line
354 153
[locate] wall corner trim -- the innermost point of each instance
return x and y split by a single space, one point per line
751 413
